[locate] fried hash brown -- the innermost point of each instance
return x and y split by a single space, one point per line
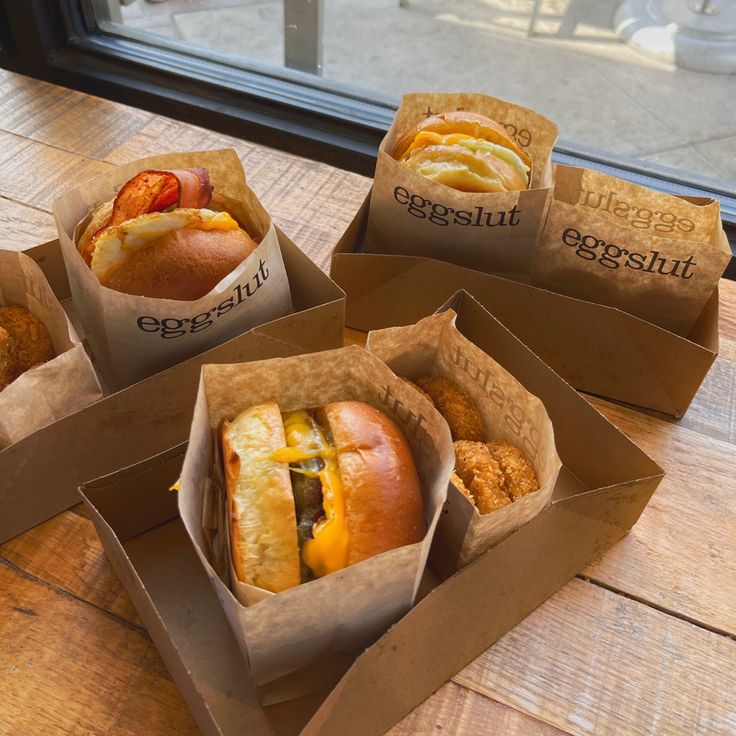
519 476
7 359
481 475
24 343
418 388
456 407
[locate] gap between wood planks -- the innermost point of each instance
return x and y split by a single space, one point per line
73 596
656 606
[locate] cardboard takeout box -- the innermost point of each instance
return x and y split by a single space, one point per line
597 349
602 489
40 474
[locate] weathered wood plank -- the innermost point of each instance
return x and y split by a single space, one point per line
713 410
65 551
591 662
35 174
22 226
728 319
458 711
65 119
164 135
68 668
681 554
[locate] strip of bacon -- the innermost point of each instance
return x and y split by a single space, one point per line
154 191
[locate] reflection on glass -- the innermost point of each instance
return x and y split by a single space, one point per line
564 58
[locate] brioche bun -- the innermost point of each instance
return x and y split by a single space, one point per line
183 264
379 505
465 151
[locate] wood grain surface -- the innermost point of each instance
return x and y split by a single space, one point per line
643 642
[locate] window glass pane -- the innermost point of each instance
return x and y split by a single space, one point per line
614 76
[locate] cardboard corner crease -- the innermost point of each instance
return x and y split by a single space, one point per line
57 388
321 625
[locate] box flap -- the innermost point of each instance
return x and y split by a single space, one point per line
432 643
581 452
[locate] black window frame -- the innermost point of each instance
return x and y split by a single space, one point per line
60 42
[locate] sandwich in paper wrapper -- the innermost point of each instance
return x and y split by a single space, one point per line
654 255
302 638
450 187
62 384
133 336
509 413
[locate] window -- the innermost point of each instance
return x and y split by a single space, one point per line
322 77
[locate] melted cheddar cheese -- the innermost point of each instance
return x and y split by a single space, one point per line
328 550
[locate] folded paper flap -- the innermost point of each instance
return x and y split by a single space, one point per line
531 131
50 260
664 280
509 411
23 283
344 611
633 206
132 336
60 386
489 231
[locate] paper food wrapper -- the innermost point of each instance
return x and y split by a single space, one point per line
653 255
434 347
494 232
59 387
133 337
302 639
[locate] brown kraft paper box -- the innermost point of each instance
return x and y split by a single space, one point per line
154 414
653 255
294 638
61 386
494 232
597 349
604 485
434 347
133 337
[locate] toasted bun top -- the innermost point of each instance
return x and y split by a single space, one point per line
182 264
383 499
263 539
468 123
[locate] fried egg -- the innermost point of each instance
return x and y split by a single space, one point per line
116 244
429 138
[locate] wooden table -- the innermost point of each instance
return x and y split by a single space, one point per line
642 642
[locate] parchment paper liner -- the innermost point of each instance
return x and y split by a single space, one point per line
430 228
618 218
133 337
320 626
434 346
59 387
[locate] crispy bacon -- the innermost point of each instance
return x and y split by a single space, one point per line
155 191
